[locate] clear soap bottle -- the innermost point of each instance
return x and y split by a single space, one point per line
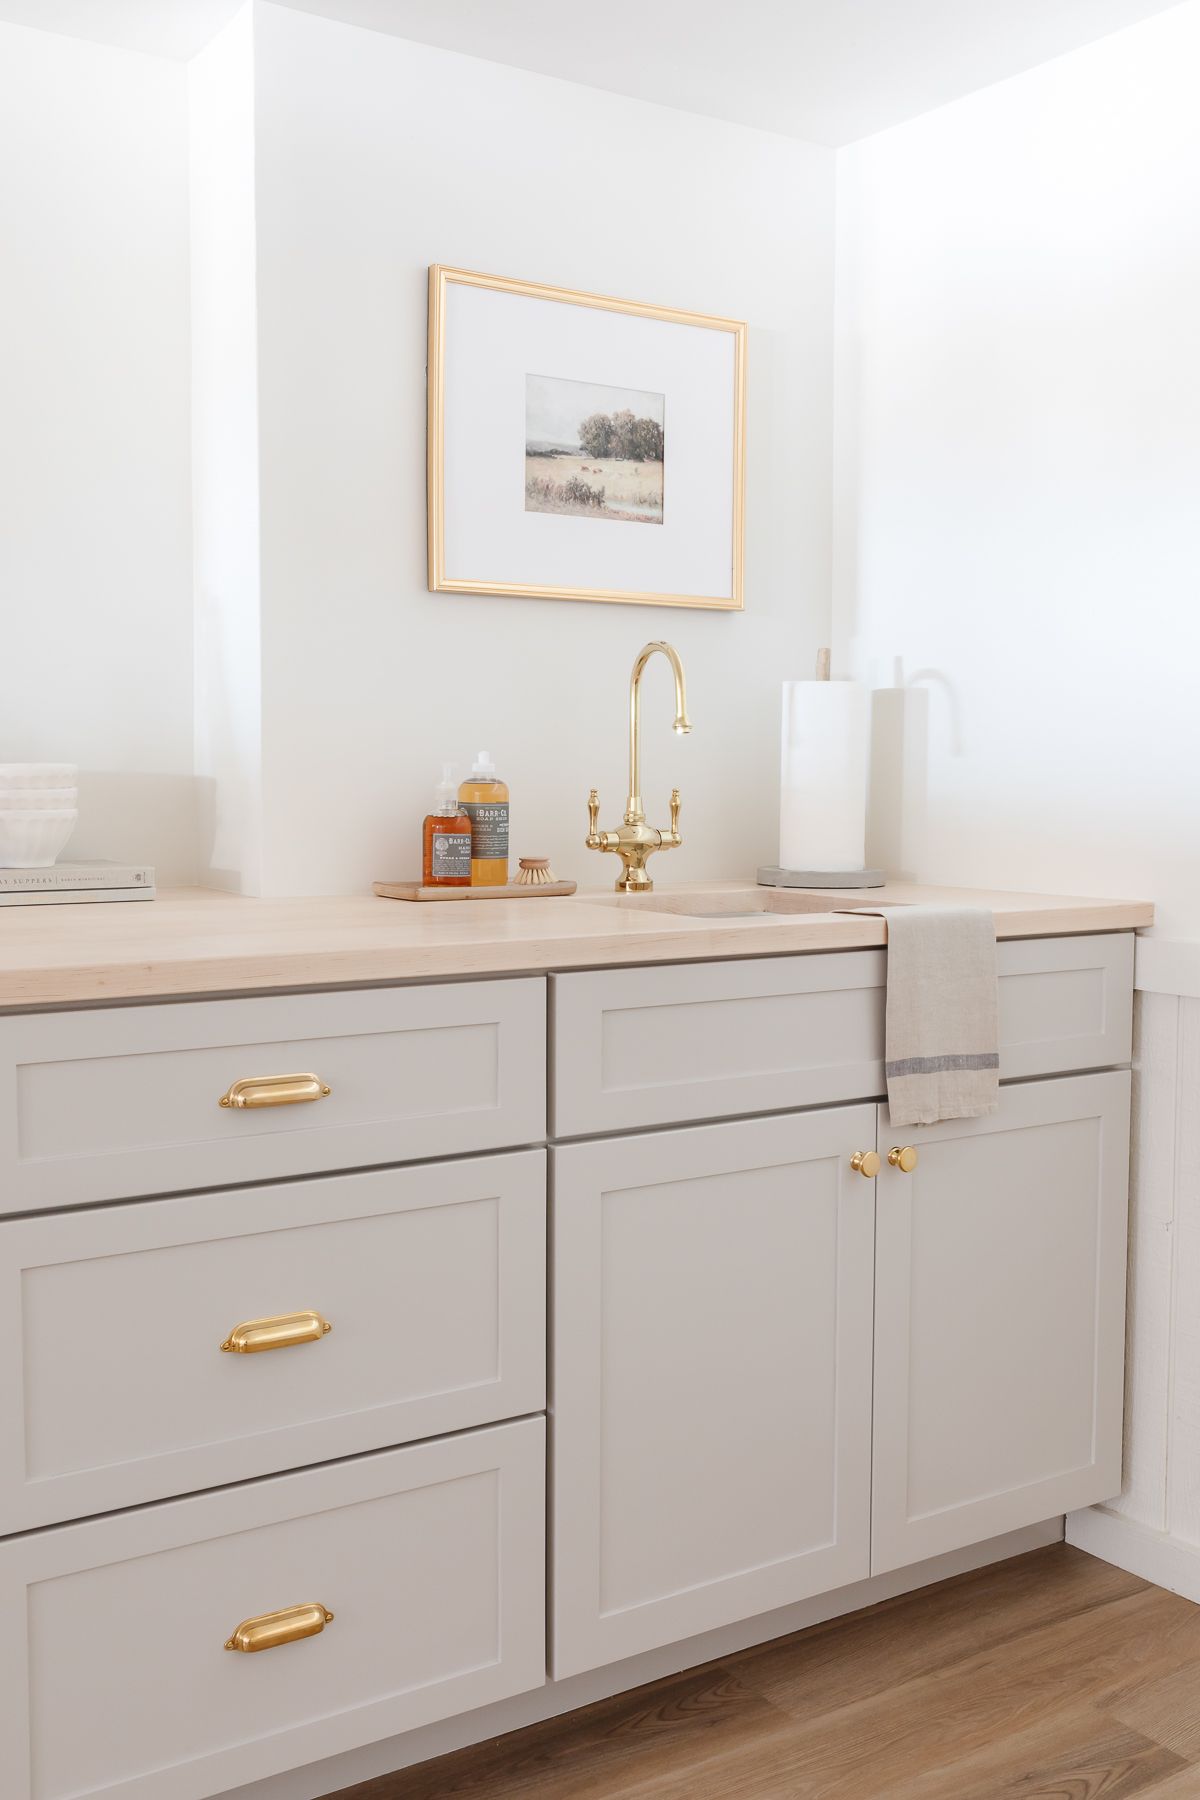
446 839
484 798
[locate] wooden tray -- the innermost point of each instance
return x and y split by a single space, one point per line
512 890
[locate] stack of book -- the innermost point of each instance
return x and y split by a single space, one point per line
67 883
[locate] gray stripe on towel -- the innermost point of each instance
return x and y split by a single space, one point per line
938 1065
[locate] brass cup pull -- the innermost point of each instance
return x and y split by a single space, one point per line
270 1630
903 1158
277 1333
274 1090
866 1162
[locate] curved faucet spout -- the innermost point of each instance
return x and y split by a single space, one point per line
634 813
635 841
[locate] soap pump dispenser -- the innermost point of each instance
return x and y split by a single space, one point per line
446 840
485 798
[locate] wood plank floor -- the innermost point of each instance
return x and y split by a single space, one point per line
1050 1677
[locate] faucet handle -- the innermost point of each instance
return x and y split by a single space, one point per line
593 812
674 812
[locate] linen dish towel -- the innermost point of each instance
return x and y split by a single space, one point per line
941 1039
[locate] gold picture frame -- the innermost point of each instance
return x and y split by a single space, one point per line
441 279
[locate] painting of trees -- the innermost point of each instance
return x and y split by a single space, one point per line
647 440
596 435
623 435
593 451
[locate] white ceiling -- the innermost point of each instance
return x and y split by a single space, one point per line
174 28
827 70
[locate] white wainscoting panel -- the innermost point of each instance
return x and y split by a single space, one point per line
1158 1507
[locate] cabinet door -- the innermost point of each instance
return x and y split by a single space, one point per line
999 1317
712 1377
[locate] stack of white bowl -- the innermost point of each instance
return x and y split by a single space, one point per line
38 811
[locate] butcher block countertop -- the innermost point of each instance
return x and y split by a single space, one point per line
195 942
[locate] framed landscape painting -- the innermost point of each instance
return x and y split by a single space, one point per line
583 448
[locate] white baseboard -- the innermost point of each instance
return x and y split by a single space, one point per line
617 1678
1167 1561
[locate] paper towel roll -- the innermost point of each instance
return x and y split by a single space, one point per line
823 778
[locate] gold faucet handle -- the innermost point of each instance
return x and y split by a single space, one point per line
674 812
597 839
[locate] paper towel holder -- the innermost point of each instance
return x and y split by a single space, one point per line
773 876
821 878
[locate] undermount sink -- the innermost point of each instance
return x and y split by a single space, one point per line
764 904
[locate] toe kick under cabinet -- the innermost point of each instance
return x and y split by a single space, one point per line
273 1324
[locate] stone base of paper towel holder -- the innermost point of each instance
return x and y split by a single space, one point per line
821 878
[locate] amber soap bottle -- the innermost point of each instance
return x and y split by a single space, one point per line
484 798
446 840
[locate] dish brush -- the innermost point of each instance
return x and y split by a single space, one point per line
535 871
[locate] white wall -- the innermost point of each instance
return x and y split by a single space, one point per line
1017 542
376 157
1153 1525
225 492
148 392
1018 471
1018 456
95 548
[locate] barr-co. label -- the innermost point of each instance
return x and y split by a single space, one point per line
452 855
489 827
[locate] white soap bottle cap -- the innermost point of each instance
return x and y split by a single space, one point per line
483 766
445 799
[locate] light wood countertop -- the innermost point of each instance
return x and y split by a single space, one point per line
194 942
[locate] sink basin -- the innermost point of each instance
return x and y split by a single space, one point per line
764 904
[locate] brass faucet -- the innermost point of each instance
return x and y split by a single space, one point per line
636 840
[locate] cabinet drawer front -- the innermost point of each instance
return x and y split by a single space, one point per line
116 1682
661 1046
115 1388
712 1378
105 1105
1065 1003
711 1040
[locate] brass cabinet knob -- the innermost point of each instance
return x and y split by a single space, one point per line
269 1630
866 1162
903 1158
